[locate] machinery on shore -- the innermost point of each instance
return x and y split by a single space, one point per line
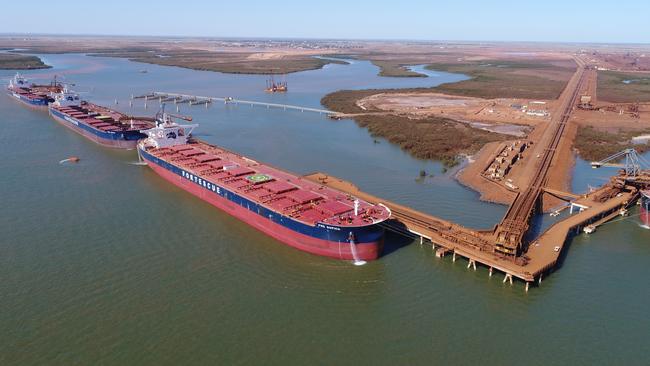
635 171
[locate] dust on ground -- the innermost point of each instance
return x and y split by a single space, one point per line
481 112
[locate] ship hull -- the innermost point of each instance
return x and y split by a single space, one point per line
116 140
645 210
320 240
37 103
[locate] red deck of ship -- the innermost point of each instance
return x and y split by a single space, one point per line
26 93
105 119
36 91
283 192
45 90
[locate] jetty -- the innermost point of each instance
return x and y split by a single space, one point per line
178 98
478 246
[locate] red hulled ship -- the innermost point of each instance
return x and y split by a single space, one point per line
645 209
287 207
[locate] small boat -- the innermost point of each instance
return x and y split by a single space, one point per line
72 159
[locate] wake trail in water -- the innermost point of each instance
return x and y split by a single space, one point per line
73 159
355 255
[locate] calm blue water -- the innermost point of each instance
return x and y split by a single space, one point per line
103 262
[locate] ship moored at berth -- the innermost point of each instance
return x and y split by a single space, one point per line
293 210
33 95
102 125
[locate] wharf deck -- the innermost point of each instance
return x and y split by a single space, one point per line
542 252
476 245
471 244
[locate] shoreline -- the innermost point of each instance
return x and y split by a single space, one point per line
470 177
242 67
15 61
427 137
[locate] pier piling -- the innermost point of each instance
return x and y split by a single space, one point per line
471 263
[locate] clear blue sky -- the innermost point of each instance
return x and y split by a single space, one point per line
500 20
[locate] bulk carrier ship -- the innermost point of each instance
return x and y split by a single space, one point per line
33 95
297 212
102 125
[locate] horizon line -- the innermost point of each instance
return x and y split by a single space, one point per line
286 38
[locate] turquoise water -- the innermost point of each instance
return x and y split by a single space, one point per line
103 262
